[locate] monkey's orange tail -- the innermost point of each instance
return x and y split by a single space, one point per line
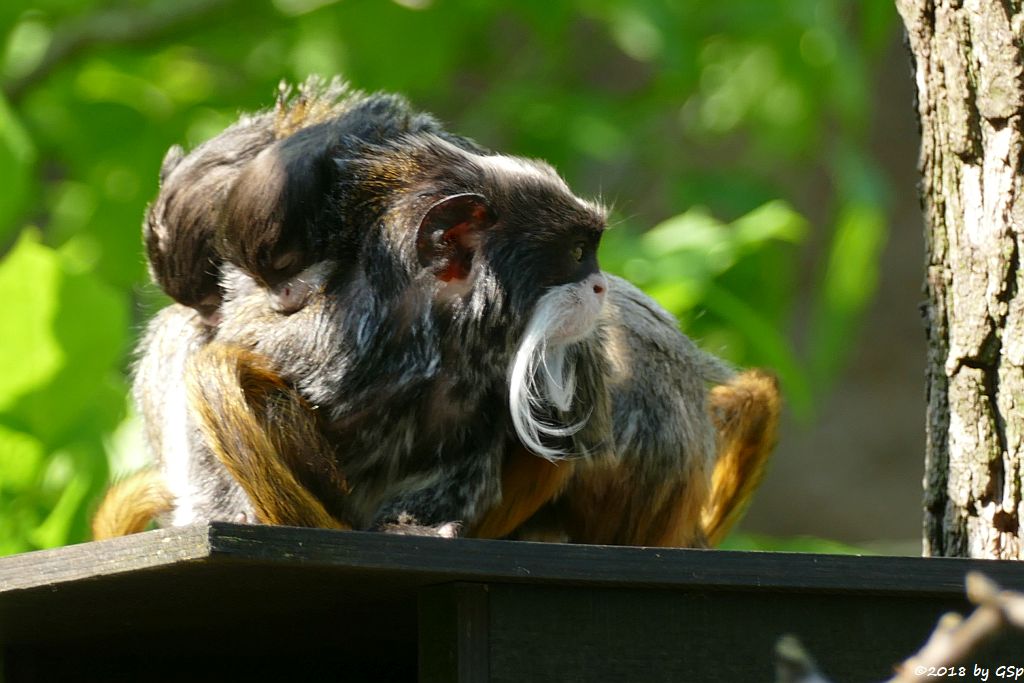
746 415
131 504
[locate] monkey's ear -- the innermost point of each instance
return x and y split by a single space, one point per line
449 234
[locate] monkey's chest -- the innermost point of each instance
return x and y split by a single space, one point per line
390 448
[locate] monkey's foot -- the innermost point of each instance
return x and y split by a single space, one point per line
407 525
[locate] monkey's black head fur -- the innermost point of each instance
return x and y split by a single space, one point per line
260 194
330 171
179 226
485 234
288 207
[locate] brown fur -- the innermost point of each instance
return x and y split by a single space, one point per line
615 506
746 415
527 484
315 102
130 505
267 437
601 505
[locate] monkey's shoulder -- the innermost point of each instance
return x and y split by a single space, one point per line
639 334
657 384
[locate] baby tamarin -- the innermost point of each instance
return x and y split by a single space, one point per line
410 332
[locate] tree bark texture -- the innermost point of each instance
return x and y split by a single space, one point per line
967 57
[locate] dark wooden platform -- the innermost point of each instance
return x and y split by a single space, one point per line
225 602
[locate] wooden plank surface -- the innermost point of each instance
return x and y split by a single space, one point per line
159 548
272 603
421 561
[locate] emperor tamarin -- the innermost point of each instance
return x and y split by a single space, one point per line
410 332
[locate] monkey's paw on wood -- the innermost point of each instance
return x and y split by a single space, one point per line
373 314
407 525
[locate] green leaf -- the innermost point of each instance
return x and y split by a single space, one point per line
17 168
773 221
21 460
76 484
71 333
718 246
850 281
30 355
695 230
678 296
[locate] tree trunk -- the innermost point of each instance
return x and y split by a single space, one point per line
967 58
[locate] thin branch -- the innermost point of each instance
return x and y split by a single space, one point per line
953 640
111 27
982 590
793 664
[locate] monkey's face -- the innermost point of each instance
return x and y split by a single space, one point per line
515 233
558 282
543 372
546 260
524 245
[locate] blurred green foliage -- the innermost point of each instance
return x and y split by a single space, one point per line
709 120
795 544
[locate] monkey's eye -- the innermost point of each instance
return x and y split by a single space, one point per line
577 252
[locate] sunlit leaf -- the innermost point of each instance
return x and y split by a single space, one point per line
636 33
21 457
676 296
850 280
775 220
695 230
30 354
26 45
72 332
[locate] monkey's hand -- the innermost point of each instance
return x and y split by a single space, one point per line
453 499
407 525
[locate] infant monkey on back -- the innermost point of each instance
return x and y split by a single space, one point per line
381 325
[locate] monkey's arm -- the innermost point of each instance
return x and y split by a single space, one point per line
267 437
196 484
